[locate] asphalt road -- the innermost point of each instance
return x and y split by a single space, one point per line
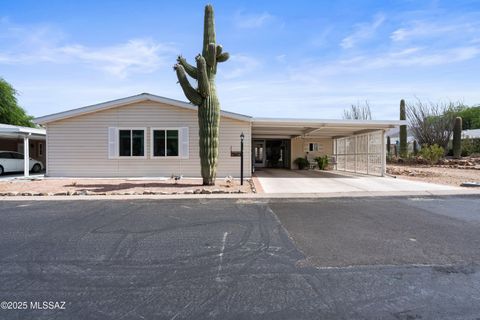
404 258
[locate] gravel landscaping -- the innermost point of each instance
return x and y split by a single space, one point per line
71 186
449 174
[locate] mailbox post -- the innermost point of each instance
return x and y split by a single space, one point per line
242 136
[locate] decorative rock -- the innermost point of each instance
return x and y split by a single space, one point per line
188 192
197 191
13 194
205 191
62 193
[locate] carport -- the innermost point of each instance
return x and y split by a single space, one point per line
353 145
33 139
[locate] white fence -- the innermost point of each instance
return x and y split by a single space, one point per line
362 153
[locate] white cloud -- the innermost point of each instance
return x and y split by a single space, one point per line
363 31
281 58
418 29
44 44
239 65
252 21
134 56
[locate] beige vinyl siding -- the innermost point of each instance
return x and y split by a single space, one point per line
299 145
78 146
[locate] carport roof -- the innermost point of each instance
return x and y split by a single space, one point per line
317 128
11 130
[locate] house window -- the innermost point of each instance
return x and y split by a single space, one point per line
131 143
40 149
312 147
166 142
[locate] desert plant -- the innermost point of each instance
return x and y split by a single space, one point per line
403 131
205 96
301 163
358 112
432 153
322 162
432 123
415 147
457 138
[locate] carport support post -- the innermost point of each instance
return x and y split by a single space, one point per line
26 155
384 156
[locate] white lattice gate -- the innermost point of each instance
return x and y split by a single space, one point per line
361 153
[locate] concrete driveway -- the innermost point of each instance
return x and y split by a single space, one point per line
313 181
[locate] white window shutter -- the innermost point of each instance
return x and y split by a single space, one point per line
112 143
184 143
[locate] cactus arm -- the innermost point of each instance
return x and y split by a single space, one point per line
208 29
211 54
189 91
219 49
223 57
203 83
189 69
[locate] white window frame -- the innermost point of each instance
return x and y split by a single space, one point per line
315 146
144 129
153 156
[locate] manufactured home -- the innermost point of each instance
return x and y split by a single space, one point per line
148 135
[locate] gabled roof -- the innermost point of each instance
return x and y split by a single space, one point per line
125 101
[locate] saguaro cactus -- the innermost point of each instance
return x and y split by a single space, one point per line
403 131
457 138
389 146
415 147
205 95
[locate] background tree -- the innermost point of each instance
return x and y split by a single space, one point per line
358 112
10 111
403 131
470 117
205 95
432 123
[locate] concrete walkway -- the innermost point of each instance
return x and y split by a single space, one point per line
312 181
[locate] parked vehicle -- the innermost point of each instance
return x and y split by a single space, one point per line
13 162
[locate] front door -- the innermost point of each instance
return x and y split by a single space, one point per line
258 153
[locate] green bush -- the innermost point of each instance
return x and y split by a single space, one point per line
470 146
432 153
301 163
322 162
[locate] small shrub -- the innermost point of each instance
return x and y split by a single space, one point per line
322 162
470 146
432 153
301 163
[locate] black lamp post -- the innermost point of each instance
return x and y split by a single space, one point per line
242 136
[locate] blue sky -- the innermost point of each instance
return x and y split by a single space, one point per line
303 59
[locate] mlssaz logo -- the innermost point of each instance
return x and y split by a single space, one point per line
47 305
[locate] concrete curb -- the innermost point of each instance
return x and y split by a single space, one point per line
250 196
